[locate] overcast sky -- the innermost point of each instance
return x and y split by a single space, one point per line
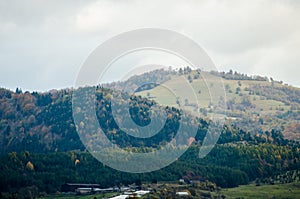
44 43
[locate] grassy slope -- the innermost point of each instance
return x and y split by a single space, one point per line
164 96
265 108
291 191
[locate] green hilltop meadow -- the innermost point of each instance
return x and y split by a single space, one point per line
254 103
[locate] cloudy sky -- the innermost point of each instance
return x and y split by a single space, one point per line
44 43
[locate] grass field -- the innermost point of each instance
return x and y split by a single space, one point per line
287 191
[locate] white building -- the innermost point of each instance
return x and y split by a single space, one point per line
120 197
182 193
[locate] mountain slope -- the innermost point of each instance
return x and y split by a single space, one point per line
255 104
41 150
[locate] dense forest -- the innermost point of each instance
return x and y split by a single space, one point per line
226 165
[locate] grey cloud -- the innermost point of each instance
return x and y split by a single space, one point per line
43 43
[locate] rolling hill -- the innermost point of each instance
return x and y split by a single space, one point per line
253 103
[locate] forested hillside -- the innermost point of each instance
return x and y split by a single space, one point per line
226 165
42 122
41 150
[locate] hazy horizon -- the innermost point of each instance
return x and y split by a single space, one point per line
72 86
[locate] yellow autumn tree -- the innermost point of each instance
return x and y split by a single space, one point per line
30 166
77 162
